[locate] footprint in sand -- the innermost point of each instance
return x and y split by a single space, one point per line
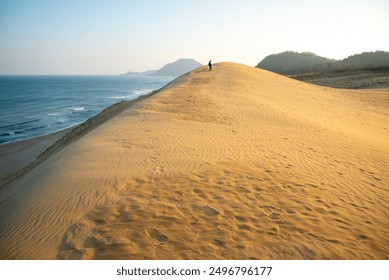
157 235
177 195
241 219
159 169
210 211
272 212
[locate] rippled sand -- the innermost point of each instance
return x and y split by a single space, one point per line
233 163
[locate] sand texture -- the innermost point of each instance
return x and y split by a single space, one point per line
233 163
16 156
20 157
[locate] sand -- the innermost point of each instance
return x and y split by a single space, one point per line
18 155
233 163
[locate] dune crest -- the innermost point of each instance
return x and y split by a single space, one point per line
233 163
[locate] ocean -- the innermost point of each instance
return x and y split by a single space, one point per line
32 106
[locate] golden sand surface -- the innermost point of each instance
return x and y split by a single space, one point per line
233 163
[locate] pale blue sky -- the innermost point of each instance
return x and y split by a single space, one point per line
113 37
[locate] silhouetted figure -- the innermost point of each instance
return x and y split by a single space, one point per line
210 65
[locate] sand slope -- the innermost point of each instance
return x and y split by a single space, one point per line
236 163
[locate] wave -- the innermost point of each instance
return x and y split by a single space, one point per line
132 95
48 110
143 91
128 96
34 128
8 133
19 124
66 111
82 108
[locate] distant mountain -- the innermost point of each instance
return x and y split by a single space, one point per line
290 63
177 68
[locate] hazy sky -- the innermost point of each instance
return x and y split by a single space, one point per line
113 37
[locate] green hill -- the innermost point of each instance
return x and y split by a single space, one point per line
290 63
366 59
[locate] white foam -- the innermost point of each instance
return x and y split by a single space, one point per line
132 95
143 91
122 96
78 108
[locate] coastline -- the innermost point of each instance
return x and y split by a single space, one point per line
18 158
267 166
18 155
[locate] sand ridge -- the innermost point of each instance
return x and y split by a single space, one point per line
233 163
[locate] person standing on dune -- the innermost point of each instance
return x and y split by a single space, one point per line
210 65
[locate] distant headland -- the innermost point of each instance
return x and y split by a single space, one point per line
176 68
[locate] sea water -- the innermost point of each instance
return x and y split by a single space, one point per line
32 106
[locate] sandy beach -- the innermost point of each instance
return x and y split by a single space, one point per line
16 156
233 163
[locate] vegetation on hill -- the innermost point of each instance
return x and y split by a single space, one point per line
290 63
367 59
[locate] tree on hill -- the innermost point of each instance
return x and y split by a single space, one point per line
290 63
366 60
293 62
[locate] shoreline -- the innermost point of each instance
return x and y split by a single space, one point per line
17 155
20 157
267 166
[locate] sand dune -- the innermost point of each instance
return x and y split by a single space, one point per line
236 163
